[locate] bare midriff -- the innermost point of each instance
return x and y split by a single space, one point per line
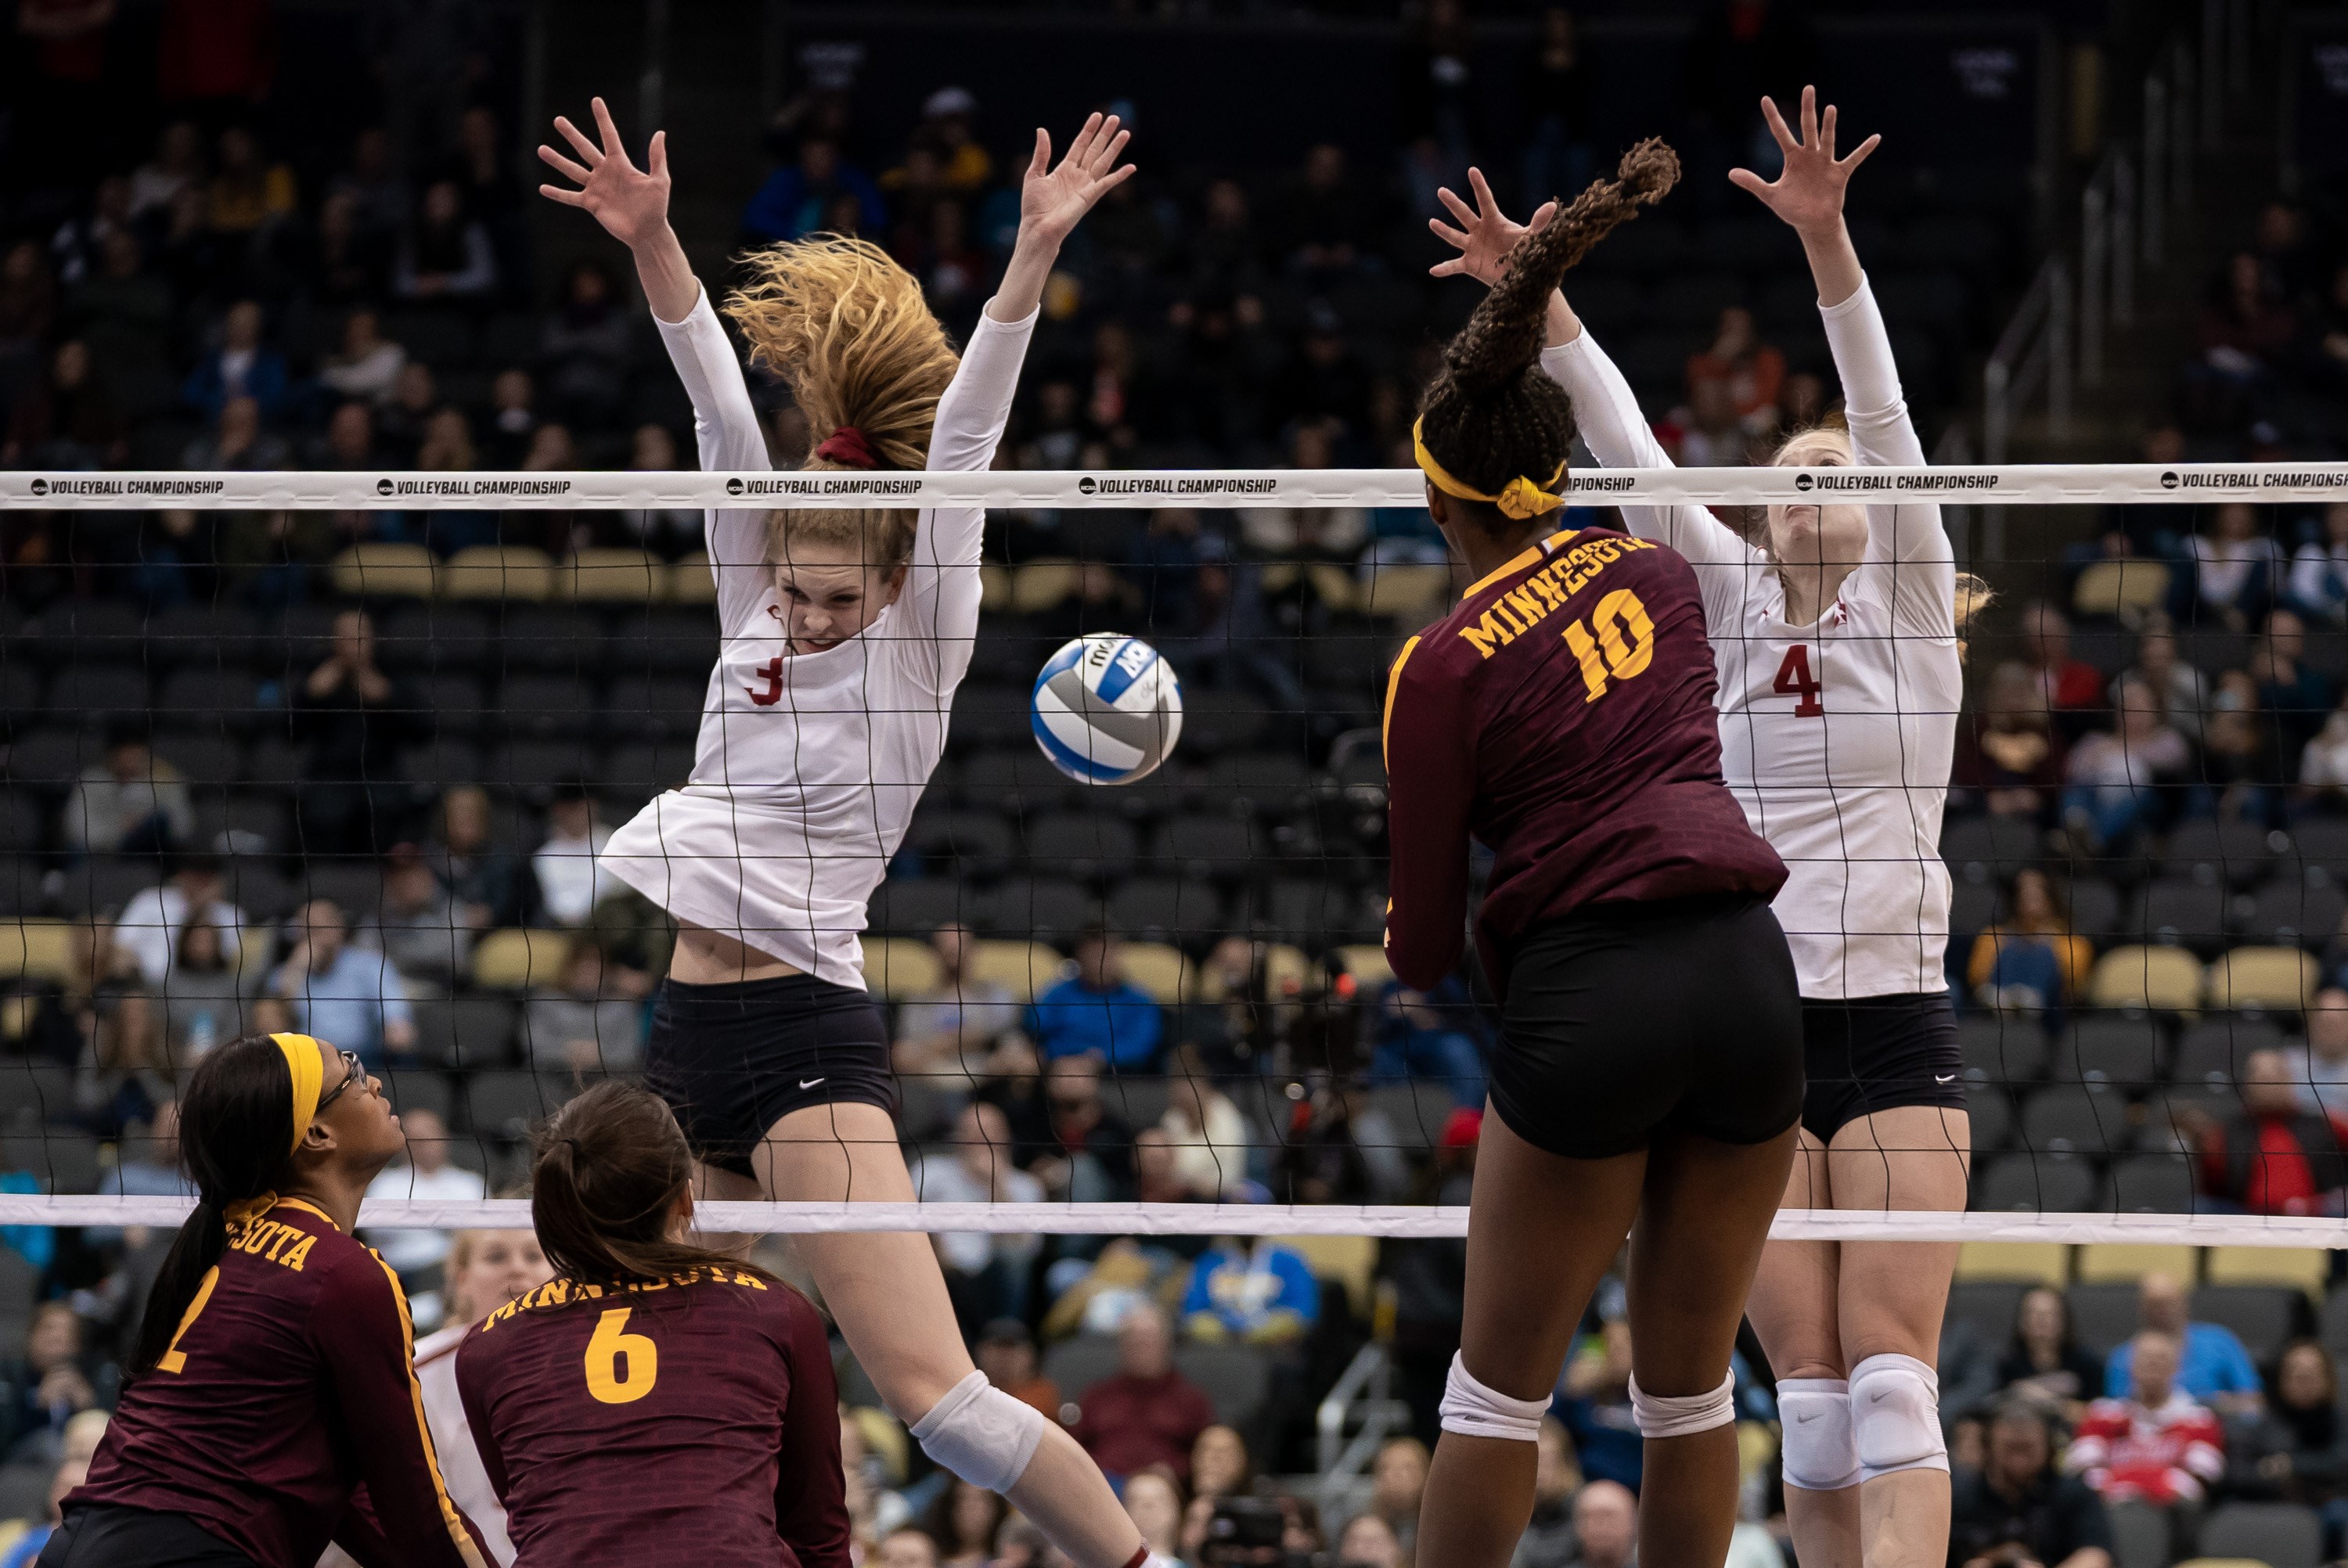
707 958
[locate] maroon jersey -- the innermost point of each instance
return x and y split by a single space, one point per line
290 1385
1562 715
696 1418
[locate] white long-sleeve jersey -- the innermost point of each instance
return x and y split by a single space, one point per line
1837 737
809 765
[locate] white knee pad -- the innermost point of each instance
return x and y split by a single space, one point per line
1895 1416
1819 1452
1683 1415
981 1433
1473 1410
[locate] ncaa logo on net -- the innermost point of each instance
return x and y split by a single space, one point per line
40 487
733 487
1803 481
383 487
1087 486
2168 480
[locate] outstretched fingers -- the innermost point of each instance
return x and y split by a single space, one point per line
561 165
563 194
1778 127
1082 147
613 146
1859 153
589 153
1458 209
1485 202
1106 155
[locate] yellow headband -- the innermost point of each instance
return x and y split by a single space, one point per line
309 1073
1519 499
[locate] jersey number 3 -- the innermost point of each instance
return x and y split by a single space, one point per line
1795 680
1618 643
612 1341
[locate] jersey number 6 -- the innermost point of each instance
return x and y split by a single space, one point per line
1624 643
610 1341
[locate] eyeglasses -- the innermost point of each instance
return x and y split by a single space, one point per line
355 1071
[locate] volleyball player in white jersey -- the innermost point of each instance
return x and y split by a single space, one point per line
1836 644
844 636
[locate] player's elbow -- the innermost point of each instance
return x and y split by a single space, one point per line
1418 961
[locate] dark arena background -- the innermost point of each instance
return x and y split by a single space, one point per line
347 771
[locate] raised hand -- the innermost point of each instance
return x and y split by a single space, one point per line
1052 200
1485 236
630 203
1808 194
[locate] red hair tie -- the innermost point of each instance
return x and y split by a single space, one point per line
847 445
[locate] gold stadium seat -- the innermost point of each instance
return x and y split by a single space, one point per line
1366 962
514 959
689 582
37 950
2306 1267
1158 968
1023 969
1042 585
2159 980
994 588
385 571
516 572
1414 594
899 968
2125 1261
2123 591
1351 1260
610 576
2034 1262
2280 979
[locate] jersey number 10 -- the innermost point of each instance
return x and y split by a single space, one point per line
1618 643
610 1341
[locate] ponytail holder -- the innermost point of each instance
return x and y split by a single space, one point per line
847 445
239 1215
308 1074
1519 498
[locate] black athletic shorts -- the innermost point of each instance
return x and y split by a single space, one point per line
1877 1053
732 1060
102 1535
1626 1020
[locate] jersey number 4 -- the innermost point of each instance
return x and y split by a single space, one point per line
1795 680
612 1382
1618 643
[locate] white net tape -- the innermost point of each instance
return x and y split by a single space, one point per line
2040 484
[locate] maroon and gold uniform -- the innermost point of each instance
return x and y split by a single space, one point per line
1563 715
289 1385
632 1425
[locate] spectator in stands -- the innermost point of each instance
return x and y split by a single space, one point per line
424 1172
2319 1064
1209 1136
906 1547
2212 1365
2322 775
582 1025
795 200
2069 688
177 164
668 532
2246 325
446 254
985 1274
203 995
238 443
348 443
1430 1035
2319 571
1549 1539
242 367
1606 1525
1005 1352
418 926
148 930
247 192
570 881
400 422
2045 1362
964 1521
367 363
1147 1412
1752 371
355 720
1327 219
585 349
2296 1452
956 1021
513 418
1262 1292
67 419
2158 1444
56 1378
1153 1501
2183 690
1091 1149
26 1551
1368 1542
2298 695
1594 1393
1321 1160
2238 753
349 995
1556 90
133 802
1219 1464
2018 1507
1711 435
2274 1157
2237 569
1097 1011
484 882
2029 960
2114 778
2009 762
145 1167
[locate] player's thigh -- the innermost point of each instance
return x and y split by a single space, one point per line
1703 1219
1893 1295
1542 1230
1794 1296
883 1288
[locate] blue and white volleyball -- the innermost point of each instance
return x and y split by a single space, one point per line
1107 709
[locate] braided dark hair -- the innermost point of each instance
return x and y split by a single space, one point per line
1489 415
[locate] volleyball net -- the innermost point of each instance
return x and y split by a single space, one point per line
1158 1008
